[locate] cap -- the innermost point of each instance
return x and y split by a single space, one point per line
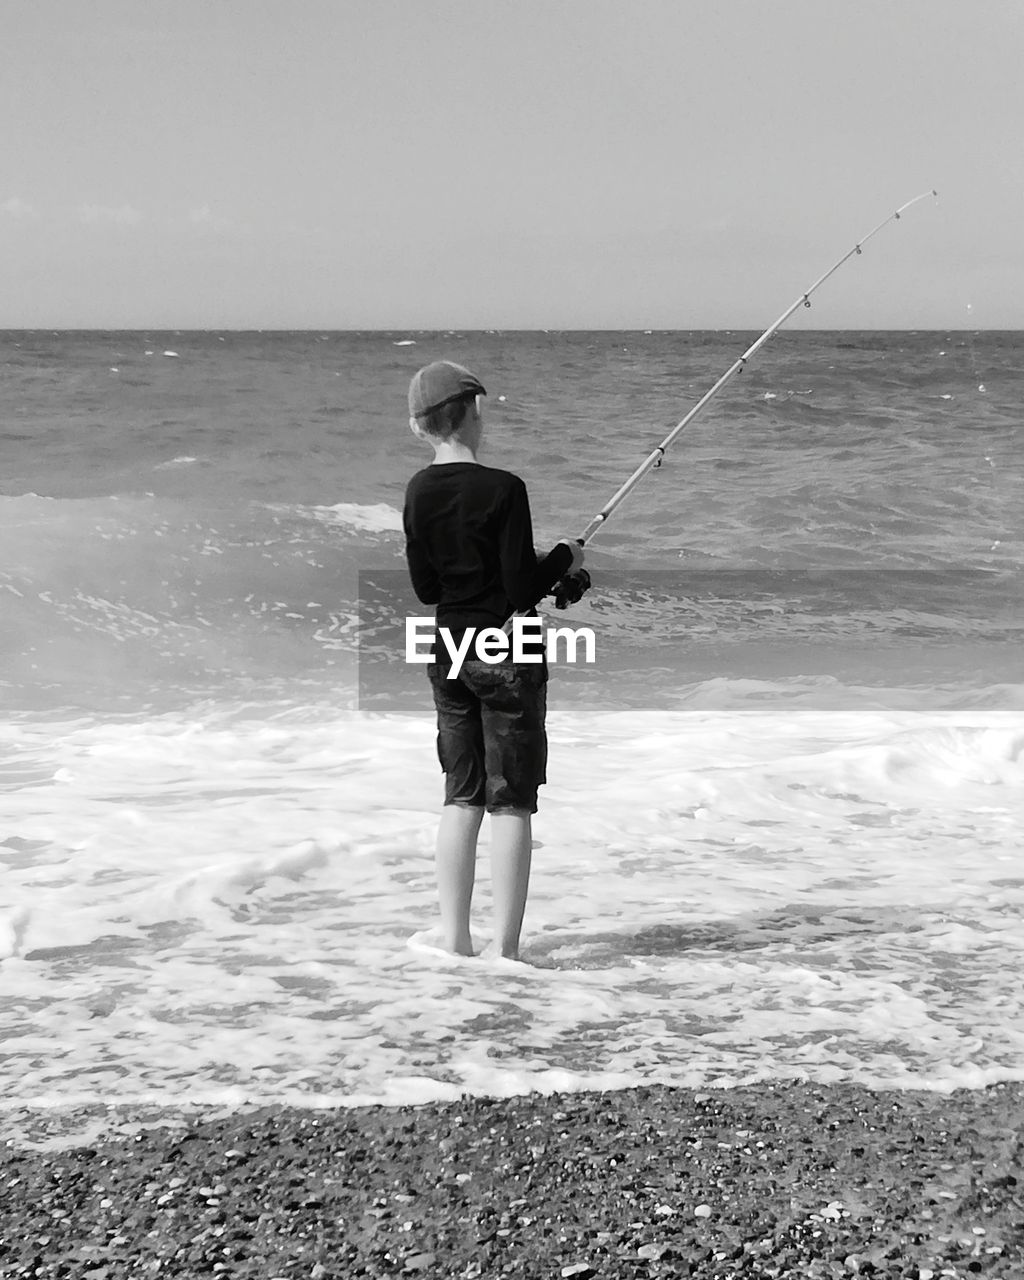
440 383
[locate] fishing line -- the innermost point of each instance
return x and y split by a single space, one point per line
992 473
970 348
969 334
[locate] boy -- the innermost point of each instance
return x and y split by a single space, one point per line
469 546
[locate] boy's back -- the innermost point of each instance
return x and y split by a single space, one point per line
469 545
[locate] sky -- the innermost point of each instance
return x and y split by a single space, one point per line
517 164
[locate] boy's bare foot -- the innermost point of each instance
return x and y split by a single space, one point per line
493 952
433 942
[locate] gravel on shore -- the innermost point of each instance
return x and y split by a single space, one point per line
772 1180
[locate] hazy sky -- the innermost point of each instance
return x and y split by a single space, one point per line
509 163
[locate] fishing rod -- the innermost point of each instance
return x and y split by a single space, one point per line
654 460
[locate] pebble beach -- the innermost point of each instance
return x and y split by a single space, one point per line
773 1180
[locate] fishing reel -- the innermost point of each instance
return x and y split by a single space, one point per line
569 590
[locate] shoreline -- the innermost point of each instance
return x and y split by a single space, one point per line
782 1179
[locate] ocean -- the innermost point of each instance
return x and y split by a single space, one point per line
781 836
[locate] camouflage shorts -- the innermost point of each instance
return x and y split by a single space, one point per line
491 740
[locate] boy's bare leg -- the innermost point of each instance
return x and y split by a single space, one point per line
511 851
456 868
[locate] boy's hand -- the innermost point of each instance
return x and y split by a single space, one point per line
577 554
569 590
571 586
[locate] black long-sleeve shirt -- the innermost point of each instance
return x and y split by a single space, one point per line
469 545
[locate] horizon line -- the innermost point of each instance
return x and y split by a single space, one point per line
491 329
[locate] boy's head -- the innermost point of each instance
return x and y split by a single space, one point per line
440 395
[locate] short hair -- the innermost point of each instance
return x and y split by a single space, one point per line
446 419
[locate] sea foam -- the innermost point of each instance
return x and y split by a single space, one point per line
219 906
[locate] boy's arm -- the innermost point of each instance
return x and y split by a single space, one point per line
524 578
425 581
